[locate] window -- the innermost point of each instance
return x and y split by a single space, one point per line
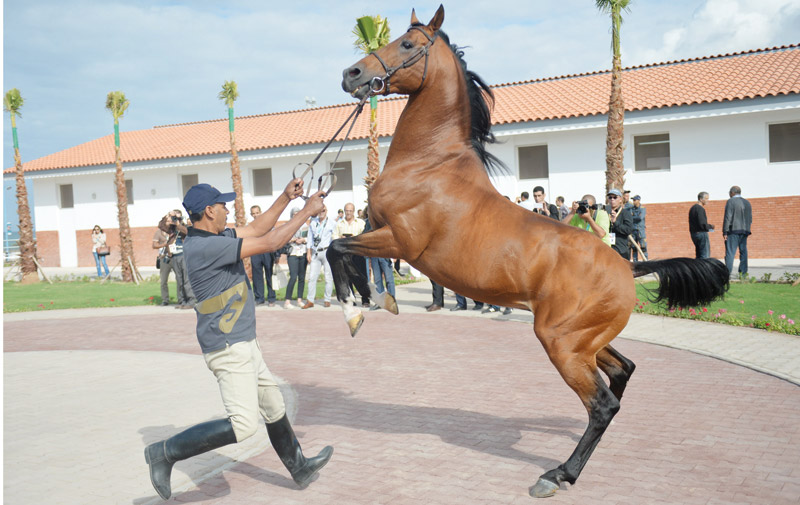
784 142
129 190
344 176
652 152
65 196
262 182
533 162
187 181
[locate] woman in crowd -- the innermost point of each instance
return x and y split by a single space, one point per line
99 242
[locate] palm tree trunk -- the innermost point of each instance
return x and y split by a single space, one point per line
27 245
236 178
615 171
126 242
238 203
373 155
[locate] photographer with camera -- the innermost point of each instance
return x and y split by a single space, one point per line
169 239
621 223
587 215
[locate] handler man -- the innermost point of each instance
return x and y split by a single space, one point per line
226 331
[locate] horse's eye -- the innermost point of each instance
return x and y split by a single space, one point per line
407 44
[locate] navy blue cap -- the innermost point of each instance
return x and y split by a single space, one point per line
201 196
637 197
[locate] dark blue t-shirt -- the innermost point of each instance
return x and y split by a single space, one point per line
226 311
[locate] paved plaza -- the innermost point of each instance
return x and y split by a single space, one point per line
440 408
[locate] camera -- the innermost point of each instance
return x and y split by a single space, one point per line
176 219
584 207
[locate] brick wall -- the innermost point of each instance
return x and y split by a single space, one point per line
47 248
776 233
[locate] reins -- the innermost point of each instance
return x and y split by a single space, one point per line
376 85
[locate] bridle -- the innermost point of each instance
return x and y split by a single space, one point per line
376 85
381 84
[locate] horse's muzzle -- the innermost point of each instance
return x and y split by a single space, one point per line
355 82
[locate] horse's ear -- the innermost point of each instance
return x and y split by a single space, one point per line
414 20
437 20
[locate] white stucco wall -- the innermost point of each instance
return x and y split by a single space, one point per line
712 147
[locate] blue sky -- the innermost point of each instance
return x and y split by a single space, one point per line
171 57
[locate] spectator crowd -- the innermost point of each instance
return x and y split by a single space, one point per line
620 222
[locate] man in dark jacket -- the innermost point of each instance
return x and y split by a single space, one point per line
736 228
540 206
621 223
699 227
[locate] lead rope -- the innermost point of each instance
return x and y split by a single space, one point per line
331 177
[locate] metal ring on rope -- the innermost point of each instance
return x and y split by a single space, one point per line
377 85
326 180
309 167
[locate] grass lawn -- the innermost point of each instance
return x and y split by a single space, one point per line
746 304
769 306
90 293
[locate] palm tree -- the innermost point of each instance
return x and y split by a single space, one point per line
615 171
12 103
372 33
117 104
229 94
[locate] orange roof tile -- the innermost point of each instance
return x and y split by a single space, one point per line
757 73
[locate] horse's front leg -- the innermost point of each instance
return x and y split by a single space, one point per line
379 243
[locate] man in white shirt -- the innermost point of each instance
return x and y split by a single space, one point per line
320 235
525 202
350 226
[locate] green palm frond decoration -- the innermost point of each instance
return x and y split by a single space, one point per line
229 93
371 33
13 102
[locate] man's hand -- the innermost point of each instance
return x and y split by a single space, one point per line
314 204
587 216
545 209
613 215
575 206
294 188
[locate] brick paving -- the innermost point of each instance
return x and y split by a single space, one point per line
421 408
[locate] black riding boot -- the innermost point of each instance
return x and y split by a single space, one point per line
196 440
288 448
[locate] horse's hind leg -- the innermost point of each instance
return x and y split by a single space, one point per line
581 374
617 367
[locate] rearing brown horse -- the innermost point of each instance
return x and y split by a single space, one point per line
435 207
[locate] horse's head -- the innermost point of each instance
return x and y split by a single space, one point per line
402 65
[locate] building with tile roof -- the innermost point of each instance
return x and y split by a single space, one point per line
692 125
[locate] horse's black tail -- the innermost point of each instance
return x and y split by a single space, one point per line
686 282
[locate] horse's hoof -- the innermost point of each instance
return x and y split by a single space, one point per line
355 323
390 304
543 489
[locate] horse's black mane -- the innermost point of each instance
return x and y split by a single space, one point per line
481 98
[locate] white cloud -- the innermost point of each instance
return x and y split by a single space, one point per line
724 26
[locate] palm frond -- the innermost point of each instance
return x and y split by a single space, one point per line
371 33
12 102
229 93
117 104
